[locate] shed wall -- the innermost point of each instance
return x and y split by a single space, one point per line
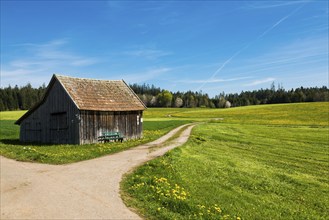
94 123
54 121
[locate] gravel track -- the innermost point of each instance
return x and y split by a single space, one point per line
83 190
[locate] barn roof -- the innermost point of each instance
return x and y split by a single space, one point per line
101 95
95 95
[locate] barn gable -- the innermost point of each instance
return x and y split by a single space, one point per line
77 111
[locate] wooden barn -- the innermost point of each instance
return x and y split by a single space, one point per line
78 111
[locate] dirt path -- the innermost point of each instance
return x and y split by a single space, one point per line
83 190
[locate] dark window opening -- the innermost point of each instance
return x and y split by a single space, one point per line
58 121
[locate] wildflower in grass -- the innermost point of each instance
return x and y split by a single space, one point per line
217 209
201 206
211 212
166 190
137 185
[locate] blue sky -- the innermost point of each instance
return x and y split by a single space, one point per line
212 46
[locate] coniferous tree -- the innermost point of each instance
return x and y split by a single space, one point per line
14 98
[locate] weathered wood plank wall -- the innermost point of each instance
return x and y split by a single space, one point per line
94 123
54 121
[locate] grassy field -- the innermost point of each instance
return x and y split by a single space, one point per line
280 114
11 115
61 154
258 162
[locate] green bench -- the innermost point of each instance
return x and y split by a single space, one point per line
111 136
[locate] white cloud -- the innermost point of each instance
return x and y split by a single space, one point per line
84 61
21 77
275 4
40 60
145 76
150 54
288 59
54 51
261 81
18 72
242 49
213 80
301 56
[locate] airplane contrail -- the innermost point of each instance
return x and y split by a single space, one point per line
249 44
222 66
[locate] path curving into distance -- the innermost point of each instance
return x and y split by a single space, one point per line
83 190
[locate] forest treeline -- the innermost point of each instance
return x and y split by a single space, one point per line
15 98
20 98
157 97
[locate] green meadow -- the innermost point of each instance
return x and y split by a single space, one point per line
280 114
256 162
62 154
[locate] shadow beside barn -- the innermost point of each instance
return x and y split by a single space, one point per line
17 142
